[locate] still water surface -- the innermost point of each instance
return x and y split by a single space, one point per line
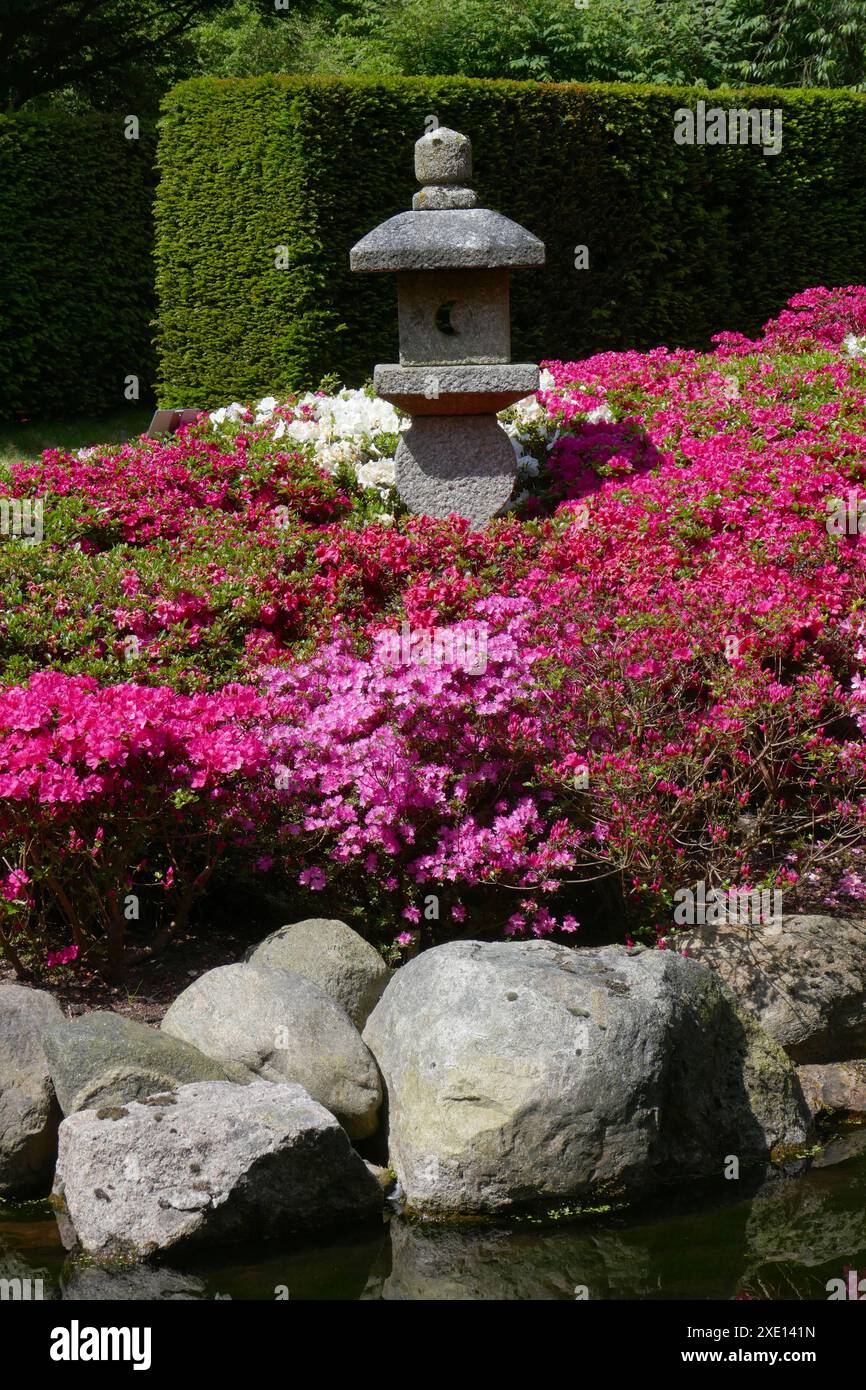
782 1237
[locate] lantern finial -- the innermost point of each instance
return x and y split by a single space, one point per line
443 164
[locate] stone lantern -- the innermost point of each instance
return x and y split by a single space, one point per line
452 259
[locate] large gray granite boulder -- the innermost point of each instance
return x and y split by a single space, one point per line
803 978
211 1163
106 1059
280 1026
29 1115
334 957
520 1073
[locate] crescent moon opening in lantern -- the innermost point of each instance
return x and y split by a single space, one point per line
443 318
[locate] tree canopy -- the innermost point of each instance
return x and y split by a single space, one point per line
100 50
112 52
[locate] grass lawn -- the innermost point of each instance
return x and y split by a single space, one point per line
20 442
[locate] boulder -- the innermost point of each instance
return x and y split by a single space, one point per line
211 1163
334 957
520 1073
280 1026
803 978
105 1059
29 1114
835 1086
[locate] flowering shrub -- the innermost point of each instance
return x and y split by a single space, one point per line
817 318
674 687
120 800
417 774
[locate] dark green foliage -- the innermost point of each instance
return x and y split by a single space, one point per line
684 241
816 43
104 52
76 273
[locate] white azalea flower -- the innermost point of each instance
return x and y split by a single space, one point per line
528 408
379 473
601 415
546 382
854 346
330 456
303 430
353 413
341 430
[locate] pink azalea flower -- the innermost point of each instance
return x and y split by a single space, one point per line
312 878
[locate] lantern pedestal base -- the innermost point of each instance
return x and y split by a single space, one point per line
456 463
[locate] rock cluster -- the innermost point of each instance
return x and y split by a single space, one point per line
494 1075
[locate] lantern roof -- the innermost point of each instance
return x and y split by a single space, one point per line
447 238
446 230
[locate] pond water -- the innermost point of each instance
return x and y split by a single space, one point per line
783 1235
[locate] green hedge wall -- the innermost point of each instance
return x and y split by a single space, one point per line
683 240
76 270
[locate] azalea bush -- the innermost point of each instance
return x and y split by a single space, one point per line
116 804
424 776
234 652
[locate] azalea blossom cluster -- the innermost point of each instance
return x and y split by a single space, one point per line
817 318
419 774
344 429
356 431
119 794
673 688
163 489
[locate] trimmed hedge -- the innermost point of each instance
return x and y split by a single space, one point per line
76 285
683 240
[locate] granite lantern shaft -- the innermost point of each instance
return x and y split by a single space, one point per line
452 259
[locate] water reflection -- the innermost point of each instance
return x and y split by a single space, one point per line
783 1237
